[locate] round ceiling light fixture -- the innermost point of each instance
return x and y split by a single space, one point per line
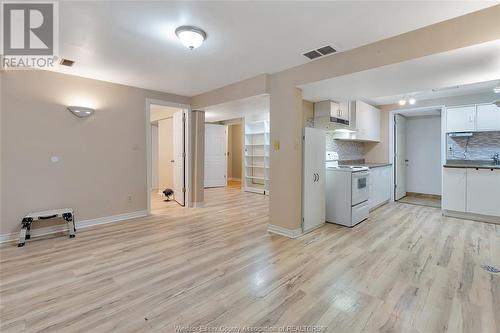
191 37
412 101
402 101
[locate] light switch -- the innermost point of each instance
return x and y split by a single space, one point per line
54 159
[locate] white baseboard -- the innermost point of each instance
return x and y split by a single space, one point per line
290 233
472 216
78 224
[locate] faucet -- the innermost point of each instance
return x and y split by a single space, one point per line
496 159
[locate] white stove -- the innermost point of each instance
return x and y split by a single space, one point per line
346 192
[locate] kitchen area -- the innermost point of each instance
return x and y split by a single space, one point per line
471 174
338 179
343 185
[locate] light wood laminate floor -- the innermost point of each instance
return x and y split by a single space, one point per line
406 269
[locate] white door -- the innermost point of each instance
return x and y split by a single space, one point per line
178 129
215 155
313 179
400 156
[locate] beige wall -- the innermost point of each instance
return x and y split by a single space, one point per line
1 153
165 154
198 157
255 86
102 159
235 148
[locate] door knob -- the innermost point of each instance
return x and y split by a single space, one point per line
172 161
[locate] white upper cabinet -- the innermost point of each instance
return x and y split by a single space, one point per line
488 117
367 122
343 111
461 119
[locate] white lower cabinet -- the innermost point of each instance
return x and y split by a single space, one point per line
454 189
380 185
472 190
483 191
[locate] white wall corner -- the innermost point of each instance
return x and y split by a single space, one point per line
290 233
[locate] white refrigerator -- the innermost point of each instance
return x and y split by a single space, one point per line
313 179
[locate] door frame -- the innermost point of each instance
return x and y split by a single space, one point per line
392 141
186 108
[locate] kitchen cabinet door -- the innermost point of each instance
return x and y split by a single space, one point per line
367 122
343 110
488 117
454 189
380 184
386 183
483 191
461 119
373 187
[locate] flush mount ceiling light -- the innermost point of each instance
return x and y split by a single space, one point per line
80 111
407 100
191 37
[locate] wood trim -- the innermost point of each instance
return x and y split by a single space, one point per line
472 216
423 195
290 233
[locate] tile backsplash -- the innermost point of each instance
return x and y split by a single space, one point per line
480 146
347 150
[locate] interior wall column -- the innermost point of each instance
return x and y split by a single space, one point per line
198 158
285 156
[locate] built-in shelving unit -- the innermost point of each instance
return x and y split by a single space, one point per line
257 154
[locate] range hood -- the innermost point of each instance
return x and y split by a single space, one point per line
335 116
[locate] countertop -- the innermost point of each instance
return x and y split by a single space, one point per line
364 164
471 164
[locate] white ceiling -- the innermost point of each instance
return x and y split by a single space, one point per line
417 78
237 109
133 42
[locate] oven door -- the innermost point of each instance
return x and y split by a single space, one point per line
359 187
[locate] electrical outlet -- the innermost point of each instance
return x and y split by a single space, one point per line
129 199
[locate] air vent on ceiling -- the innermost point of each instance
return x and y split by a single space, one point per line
66 62
312 54
326 50
322 51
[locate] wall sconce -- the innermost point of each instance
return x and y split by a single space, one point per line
80 111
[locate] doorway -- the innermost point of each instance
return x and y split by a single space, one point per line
235 154
417 156
167 161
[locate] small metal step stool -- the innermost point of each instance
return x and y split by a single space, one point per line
66 213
